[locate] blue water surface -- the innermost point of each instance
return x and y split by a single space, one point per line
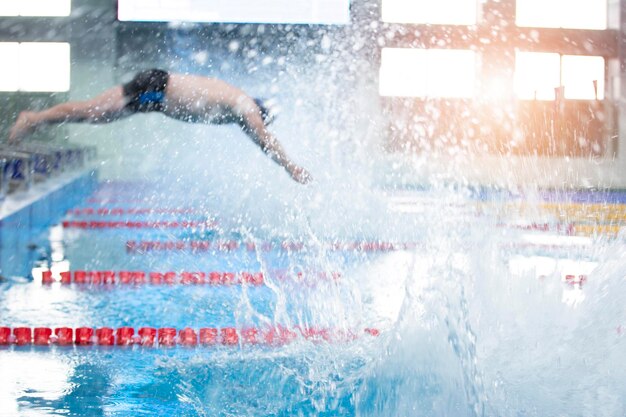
471 324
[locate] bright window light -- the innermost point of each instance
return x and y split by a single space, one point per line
9 8
44 66
237 11
574 14
451 12
537 74
427 73
9 66
578 74
34 66
35 7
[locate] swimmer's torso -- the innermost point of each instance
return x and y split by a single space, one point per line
189 98
212 100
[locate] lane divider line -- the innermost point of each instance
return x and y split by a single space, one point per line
121 211
74 224
213 278
116 200
134 246
170 336
567 229
172 278
142 247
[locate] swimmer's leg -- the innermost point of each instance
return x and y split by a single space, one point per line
105 108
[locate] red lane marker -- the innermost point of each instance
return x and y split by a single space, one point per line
188 337
64 335
66 277
163 278
105 336
46 277
373 332
169 336
562 228
83 277
574 280
192 278
147 336
279 336
250 336
208 336
5 335
84 336
23 335
131 277
104 200
124 336
229 336
42 336
312 333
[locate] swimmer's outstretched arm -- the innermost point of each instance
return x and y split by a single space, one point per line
252 124
105 108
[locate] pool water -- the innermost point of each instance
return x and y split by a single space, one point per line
466 303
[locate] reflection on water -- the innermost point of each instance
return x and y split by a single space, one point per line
36 380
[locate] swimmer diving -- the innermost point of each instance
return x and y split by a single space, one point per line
184 97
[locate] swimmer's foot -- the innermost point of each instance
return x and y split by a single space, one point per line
24 125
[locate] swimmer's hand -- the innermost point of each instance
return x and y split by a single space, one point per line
24 126
299 174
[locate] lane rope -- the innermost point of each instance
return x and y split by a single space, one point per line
170 336
140 246
122 211
108 277
163 224
213 278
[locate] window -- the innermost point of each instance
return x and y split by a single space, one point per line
578 14
9 70
583 77
451 12
427 73
35 7
537 75
34 66
237 11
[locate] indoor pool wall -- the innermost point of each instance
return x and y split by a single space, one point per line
27 215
